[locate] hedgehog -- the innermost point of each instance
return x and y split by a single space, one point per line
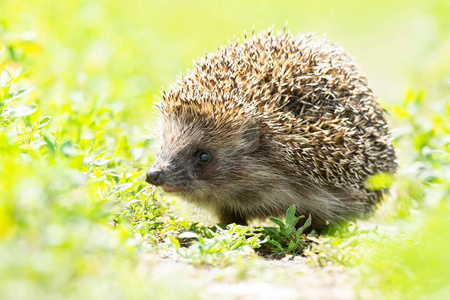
273 121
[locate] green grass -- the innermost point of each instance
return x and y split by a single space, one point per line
77 220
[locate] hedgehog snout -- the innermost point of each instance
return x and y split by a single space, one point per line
155 177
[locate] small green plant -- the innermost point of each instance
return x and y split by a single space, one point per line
287 238
220 247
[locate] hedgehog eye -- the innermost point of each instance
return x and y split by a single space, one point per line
203 157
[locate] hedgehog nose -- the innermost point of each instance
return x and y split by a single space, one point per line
155 177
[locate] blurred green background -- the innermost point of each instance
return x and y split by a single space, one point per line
77 84
127 50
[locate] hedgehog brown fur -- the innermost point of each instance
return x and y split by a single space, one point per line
274 121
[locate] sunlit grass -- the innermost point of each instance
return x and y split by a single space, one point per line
77 82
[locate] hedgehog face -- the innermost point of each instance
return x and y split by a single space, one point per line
196 161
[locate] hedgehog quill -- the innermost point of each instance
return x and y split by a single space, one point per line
273 121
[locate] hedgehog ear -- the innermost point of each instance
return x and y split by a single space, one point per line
251 136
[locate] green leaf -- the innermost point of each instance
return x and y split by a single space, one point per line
293 224
175 242
290 215
237 244
123 187
271 231
123 179
275 244
50 144
379 181
100 162
43 122
278 222
291 246
19 111
304 226
21 93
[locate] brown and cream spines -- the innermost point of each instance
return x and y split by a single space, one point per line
273 121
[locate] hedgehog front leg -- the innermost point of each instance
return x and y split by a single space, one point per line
228 217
